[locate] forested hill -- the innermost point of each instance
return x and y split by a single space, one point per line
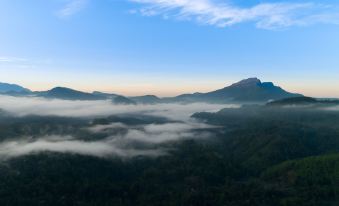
256 156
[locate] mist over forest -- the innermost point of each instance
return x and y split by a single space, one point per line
79 152
97 128
169 103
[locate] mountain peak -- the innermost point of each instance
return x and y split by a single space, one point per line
57 89
70 94
247 82
5 87
247 90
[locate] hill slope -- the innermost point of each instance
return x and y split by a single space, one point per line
69 94
12 88
248 90
147 99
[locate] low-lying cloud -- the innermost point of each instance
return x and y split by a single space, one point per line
110 138
151 137
18 148
333 108
21 106
168 132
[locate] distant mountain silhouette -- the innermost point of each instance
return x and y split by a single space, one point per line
13 89
69 94
123 100
248 90
116 99
106 95
147 99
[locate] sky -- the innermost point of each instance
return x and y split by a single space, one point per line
169 47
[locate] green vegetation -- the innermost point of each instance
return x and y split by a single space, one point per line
258 155
304 101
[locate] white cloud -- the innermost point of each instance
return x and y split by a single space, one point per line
71 8
264 15
169 132
21 106
7 59
177 127
118 139
118 145
8 62
107 127
333 108
12 149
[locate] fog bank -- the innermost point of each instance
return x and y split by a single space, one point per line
21 106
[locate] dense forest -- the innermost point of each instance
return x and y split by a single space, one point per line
253 155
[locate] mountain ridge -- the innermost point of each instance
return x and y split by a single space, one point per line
246 90
12 88
69 94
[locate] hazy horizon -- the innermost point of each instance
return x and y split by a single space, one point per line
153 89
166 48
246 111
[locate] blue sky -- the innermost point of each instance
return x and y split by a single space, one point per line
168 47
